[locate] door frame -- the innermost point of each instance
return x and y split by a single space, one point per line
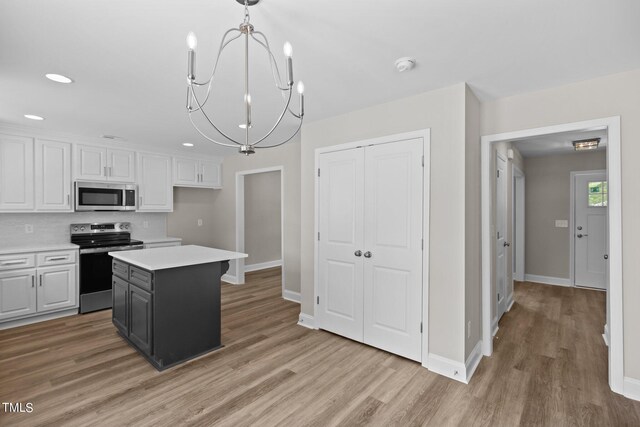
425 134
239 267
572 221
615 302
517 223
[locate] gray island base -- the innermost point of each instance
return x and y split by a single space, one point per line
166 301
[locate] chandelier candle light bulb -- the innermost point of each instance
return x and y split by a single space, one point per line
196 102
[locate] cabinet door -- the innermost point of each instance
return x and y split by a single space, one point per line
56 287
53 176
90 163
185 171
16 173
17 293
154 183
119 313
140 312
121 165
210 173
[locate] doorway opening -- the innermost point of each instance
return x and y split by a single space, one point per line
260 221
528 138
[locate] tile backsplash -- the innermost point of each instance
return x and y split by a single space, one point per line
53 228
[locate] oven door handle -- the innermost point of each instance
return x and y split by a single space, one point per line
109 249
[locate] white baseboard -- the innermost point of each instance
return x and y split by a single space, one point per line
447 367
473 361
494 326
605 335
632 388
37 319
306 321
291 296
229 278
557 281
510 302
262 265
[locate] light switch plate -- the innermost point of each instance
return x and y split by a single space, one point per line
562 223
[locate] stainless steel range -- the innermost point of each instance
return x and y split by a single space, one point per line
95 241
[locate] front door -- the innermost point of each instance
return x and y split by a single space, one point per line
590 229
501 230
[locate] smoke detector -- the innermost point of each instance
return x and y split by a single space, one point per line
405 64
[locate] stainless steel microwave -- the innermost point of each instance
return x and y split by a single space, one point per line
103 196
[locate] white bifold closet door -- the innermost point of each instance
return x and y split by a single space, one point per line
370 245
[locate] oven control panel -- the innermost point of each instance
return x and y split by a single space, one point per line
96 228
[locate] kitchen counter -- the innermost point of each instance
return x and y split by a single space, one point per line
174 256
166 301
43 248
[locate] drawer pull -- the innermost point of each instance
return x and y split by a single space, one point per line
60 258
21 261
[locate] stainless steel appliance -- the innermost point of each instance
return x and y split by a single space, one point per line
95 241
104 196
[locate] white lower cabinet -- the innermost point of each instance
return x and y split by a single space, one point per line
29 292
56 287
17 293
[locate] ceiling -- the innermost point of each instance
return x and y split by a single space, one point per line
558 143
128 58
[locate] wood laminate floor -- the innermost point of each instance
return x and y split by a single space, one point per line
549 368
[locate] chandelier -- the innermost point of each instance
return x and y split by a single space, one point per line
199 93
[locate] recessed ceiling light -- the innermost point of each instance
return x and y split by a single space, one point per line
33 117
58 78
187 144
586 144
405 64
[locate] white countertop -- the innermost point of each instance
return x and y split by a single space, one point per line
160 239
43 248
174 256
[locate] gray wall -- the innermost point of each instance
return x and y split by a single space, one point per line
443 111
189 205
547 198
53 228
262 229
614 95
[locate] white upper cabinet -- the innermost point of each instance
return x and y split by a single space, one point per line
155 188
16 173
104 164
196 173
53 176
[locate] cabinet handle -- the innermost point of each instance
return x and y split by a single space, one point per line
33 280
105 170
20 261
367 254
140 202
41 280
60 258
68 199
110 171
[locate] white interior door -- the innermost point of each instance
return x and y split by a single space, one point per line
501 230
517 243
340 210
590 229
393 247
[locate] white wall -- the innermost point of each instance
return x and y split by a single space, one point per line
443 111
613 95
190 205
262 229
53 228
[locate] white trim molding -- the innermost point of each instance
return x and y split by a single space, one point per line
494 326
615 301
262 265
632 388
447 367
605 335
510 301
307 321
292 296
230 278
473 361
546 280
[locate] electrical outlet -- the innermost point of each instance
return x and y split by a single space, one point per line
199 222
28 228
469 329
145 224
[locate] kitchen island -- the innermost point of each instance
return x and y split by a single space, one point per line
166 301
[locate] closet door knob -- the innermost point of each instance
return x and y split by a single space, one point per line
358 252
367 254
